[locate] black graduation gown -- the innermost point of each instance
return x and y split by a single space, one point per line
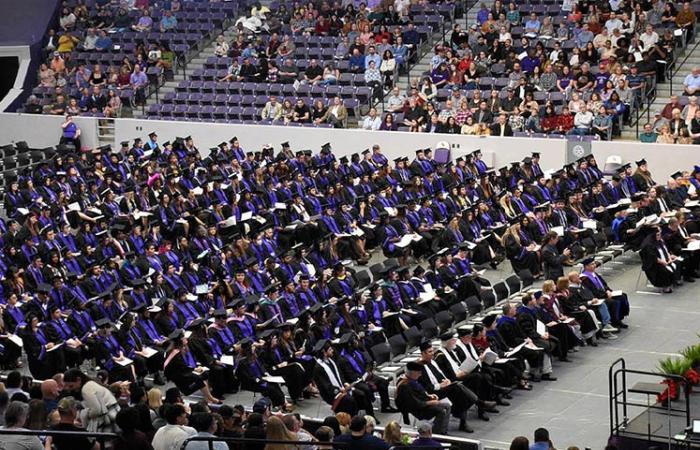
659 276
43 364
177 371
349 403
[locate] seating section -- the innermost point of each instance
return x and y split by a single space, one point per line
202 98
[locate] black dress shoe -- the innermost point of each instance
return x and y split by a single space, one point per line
548 377
158 379
483 416
621 325
689 279
464 427
564 359
389 409
488 406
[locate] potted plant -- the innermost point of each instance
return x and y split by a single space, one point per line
692 355
672 366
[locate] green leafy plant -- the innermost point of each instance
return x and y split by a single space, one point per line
692 354
674 366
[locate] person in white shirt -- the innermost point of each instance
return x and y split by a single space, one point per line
612 23
372 122
205 425
650 37
582 121
174 434
402 6
395 101
221 46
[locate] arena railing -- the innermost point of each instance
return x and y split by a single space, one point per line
102 438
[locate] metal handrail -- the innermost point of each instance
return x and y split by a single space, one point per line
614 393
239 440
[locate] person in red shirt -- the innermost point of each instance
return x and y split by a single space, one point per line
565 120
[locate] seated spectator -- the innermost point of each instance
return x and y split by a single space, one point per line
689 110
583 120
16 416
130 437
425 437
90 39
520 443
336 114
66 43
301 113
318 110
68 413
139 82
277 431
373 78
373 121
104 42
502 127
532 25
671 105
691 83
357 62
313 74
388 123
172 435
272 110
206 426
330 75
648 135
694 128
145 23
168 22
395 101
221 46
602 124
665 136
288 72
359 439
248 71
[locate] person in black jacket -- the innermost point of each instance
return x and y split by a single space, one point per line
413 398
552 260
334 391
677 238
356 367
436 382
181 368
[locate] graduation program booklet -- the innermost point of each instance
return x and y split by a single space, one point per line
489 357
541 328
468 365
273 379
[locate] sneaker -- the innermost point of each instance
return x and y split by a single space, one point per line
610 336
610 329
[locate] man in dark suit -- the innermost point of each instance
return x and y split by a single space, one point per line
553 261
412 397
502 127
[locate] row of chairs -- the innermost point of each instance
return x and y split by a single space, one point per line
362 94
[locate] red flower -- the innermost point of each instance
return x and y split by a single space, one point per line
692 376
670 392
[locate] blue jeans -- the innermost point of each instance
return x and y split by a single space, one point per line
604 314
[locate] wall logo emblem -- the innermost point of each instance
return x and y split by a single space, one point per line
578 151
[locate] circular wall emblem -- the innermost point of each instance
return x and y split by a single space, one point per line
579 151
